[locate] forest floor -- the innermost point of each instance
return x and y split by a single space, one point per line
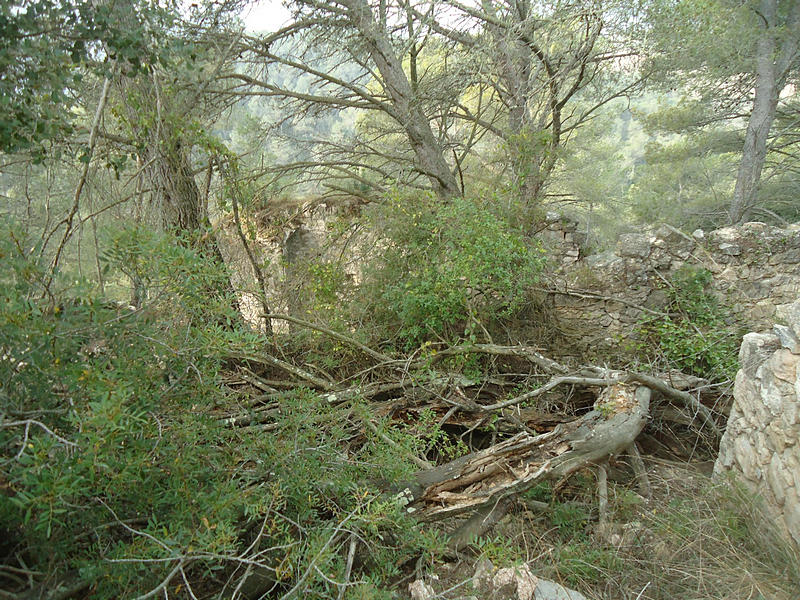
692 538
657 527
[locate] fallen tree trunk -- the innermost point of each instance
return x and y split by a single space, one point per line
489 478
540 446
520 397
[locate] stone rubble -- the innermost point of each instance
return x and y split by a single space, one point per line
517 583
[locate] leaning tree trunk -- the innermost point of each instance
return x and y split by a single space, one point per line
405 108
765 104
773 64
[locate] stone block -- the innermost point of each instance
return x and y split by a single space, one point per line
730 249
792 519
790 257
791 464
725 234
750 408
775 481
660 259
783 365
762 450
776 435
605 261
755 350
634 245
790 417
746 459
792 315
771 394
550 590
763 310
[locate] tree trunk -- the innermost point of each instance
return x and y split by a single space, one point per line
534 142
772 67
764 105
175 188
178 195
406 110
515 465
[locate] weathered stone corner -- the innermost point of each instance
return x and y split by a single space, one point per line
762 442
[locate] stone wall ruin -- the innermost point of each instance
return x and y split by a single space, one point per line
762 441
755 269
756 275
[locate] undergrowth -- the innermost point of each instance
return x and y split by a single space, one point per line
117 461
694 539
446 271
696 336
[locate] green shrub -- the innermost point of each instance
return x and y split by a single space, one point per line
115 459
695 337
541 492
500 550
446 269
112 405
584 562
570 518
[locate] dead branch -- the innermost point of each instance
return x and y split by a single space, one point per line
586 295
684 398
32 422
289 368
68 220
334 334
526 352
553 383
483 478
640 471
259 274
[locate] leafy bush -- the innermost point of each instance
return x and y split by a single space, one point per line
117 461
446 269
695 337
104 408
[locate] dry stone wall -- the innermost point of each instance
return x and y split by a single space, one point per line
755 268
762 441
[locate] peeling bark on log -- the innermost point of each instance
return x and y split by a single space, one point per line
485 478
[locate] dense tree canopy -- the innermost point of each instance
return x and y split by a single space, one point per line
740 59
47 49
